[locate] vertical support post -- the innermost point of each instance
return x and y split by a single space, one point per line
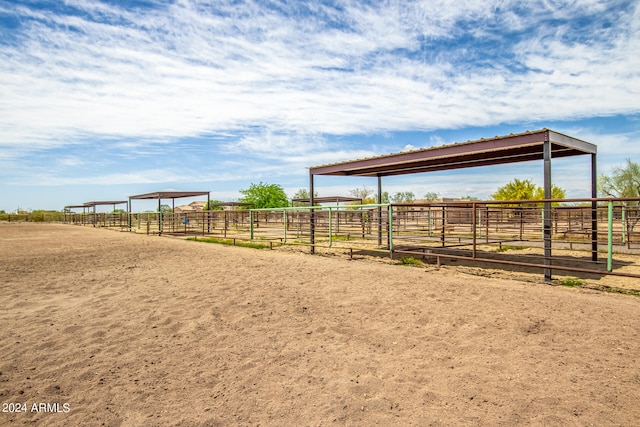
487 224
390 210
546 223
624 225
610 236
251 224
208 214
330 228
284 213
444 225
474 227
379 211
159 216
312 218
129 214
594 210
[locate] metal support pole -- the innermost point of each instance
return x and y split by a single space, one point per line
624 225
284 213
251 224
610 236
330 228
390 210
546 223
594 210
379 211
159 216
474 228
312 219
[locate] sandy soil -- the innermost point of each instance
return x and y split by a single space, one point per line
125 330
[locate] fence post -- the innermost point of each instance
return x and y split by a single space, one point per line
624 225
475 227
284 214
610 236
390 208
251 224
330 228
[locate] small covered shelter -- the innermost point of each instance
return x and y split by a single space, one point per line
543 145
106 203
173 195
83 207
164 195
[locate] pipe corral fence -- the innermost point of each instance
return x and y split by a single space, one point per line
584 236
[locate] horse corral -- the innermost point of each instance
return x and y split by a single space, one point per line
489 233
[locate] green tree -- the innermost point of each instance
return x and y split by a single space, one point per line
403 197
302 193
265 195
364 193
165 208
525 190
213 205
624 182
431 196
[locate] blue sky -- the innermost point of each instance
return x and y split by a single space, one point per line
100 100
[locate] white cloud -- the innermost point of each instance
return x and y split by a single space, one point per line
183 70
278 90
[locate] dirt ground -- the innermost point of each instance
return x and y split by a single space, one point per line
109 328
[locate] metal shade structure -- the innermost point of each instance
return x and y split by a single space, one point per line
173 195
543 144
106 202
483 152
83 206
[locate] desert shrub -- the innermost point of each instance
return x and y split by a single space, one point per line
409 261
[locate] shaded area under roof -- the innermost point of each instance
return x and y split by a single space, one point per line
484 152
543 144
107 202
169 195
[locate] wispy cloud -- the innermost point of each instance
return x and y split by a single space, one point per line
195 67
284 85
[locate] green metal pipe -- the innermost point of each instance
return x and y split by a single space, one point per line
390 211
610 236
251 224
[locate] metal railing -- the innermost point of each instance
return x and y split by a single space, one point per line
579 235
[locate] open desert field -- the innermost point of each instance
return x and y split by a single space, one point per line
103 328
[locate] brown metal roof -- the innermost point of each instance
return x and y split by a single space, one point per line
169 195
484 152
115 202
328 199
